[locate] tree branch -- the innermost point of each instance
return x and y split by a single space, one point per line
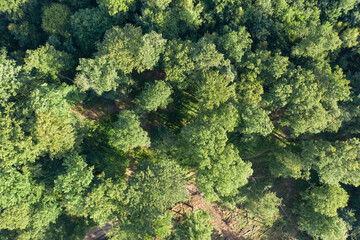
191 174
257 155
64 77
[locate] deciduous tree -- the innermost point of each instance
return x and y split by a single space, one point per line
127 133
56 19
155 95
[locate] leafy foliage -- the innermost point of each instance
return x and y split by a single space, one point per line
54 134
155 95
132 50
147 200
107 107
98 74
336 162
11 79
196 225
88 26
224 176
127 133
56 19
326 200
116 6
48 61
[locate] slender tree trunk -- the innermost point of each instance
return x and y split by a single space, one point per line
257 155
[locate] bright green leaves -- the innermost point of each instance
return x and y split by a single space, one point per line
11 6
56 19
221 170
334 162
10 78
196 225
163 22
114 7
318 215
16 187
54 126
304 99
228 79
48 61
130 49
76 178
304 104
105 201
189 14
127 133
201 143
73 183
156 4
16 148
322 227
214 88
18 195
266 206
163 225
122 45
154 188
168 189
225 116
157 16
312 106
287 163
326 200
206 56
225 175
153 46
263 71
155 95
296 19
261 202
98 74
335 86
180 17
177 60
349 37
88 26
235 44
320 41
54 134
255 120
183 59
57 99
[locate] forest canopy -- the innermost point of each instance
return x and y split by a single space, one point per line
180 119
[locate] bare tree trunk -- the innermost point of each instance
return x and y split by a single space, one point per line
257 155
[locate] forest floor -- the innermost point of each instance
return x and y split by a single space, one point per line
228 224
225 227
98 233
100 108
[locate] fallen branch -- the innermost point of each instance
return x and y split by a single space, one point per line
191 174
264 233
250 231
64 77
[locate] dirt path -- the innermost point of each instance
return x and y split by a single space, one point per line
198 201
